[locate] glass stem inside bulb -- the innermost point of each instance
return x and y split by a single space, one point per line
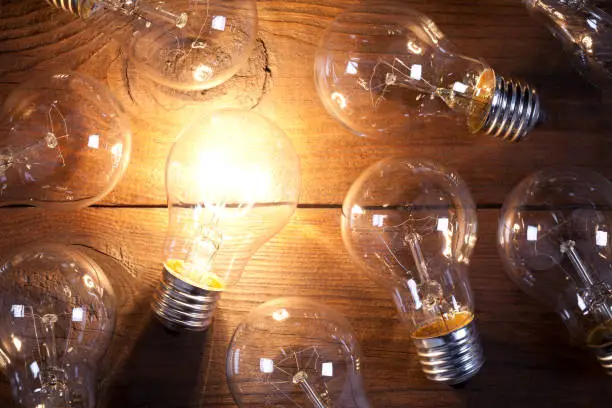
301 379
147 11
49 344
419 260
569 248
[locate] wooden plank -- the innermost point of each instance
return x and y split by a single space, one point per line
529 360
278 83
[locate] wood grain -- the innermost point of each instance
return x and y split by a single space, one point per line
279 84
529 359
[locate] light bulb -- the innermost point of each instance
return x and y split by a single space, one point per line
554 241
295 352
233 181
381 68
182 44
411 226
584 28
64 142
57 316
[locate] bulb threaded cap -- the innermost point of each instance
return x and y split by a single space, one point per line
452 358
604 356
182 306
72 6
514 111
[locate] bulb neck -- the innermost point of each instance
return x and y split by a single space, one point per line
452 358
180 305
514 111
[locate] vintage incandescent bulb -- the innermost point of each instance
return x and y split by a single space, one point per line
295 352
233 181
584 28
554 240
57 316
382 67
182 44
65 142
410 224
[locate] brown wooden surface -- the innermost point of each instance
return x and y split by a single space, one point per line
529 359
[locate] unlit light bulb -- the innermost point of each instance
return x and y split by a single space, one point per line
233 181
182 44
554 240
57 316
584 28
381 67
65 142
295 352
411 226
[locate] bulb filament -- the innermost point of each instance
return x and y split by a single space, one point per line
301 378
147 12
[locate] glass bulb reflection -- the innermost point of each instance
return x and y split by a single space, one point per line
295 352
584 28
182 44
411 226
553 239
64 142
233 181
57 316
381 68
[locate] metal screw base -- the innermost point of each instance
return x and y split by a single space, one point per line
452 358
515 110
75 7
604 356
182 306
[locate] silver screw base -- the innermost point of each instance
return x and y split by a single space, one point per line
72 6
604 356
182 306
514 112
452 358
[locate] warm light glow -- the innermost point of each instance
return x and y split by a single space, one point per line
378 220
601 238
351 68
339 99
280 315
587 42
460 87
356 210
117 152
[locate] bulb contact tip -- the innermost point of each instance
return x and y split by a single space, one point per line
452 358
514 111
182 306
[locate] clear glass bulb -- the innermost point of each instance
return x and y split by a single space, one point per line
233 182
554 241
182 44
65 142
383 67
411 226
584 28
57 316
295 352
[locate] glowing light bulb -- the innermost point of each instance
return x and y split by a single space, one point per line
182 44
381 68
583 29
57 316
294 352
64 142
553 239
233 182
411 226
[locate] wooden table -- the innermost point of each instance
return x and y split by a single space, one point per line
529 359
